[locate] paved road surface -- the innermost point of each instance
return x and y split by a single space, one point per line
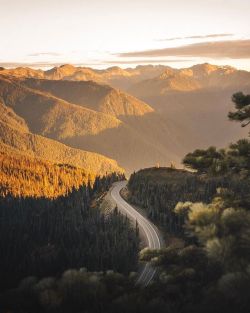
150 232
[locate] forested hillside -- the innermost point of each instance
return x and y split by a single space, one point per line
64 105
16 138
208 269
158 190
21 175
47 242
42 237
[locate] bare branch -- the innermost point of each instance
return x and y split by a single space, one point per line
245 124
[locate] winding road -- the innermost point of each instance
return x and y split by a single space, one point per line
146 228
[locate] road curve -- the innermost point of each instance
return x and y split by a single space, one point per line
152 237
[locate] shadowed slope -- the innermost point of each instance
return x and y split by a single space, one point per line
15 134
199 99
139 140
190 109
51 116
89 94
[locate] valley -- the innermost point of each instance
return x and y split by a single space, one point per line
173 116
124 156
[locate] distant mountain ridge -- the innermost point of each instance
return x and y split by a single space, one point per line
75 125
115 76
199 98
197 77
135 138
166 113
192 78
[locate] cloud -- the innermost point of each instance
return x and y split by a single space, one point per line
143 61
197 37
233 49
44 64
28 64
37 54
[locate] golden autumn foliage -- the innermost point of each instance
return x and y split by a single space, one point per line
21 175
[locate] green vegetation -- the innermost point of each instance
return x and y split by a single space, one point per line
206 160
211 274
158 190
73 291
242 105
207 271
212 161
42 237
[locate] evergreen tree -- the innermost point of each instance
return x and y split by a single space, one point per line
242 106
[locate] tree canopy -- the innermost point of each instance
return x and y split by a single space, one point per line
242 106
205 160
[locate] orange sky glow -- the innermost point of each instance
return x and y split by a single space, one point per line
179 33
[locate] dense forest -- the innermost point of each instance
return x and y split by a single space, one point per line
22 175
158 190
209 270
43 237
206 270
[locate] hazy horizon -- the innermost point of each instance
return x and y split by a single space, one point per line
46 67
181 34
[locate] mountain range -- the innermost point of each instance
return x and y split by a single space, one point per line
115 76
197 77
139 117
16 138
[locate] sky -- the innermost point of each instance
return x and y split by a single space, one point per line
102 33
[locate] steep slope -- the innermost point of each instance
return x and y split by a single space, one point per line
120 104
15 134
136 141
8 117
51 116
89 94
133 142
143 137
190 109
23 175
60 72
199 99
